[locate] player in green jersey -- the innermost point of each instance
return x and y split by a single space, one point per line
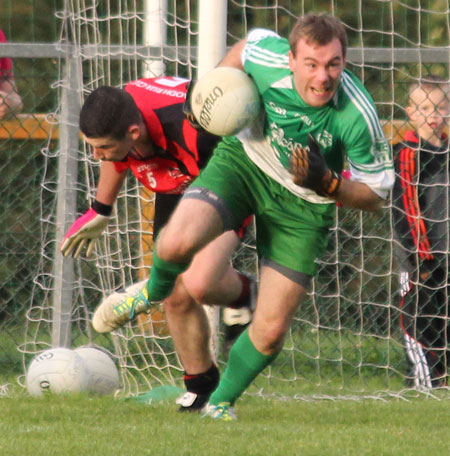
285 169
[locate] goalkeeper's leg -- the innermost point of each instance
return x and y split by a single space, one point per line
210 280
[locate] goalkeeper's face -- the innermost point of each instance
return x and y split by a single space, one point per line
317 70
110 149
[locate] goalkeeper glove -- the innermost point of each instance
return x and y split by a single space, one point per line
310 170
85 230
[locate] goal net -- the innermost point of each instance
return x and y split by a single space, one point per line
346 340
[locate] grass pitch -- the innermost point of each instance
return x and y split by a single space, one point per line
86 425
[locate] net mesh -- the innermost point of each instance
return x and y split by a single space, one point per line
346 340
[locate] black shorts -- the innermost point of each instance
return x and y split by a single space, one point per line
164 206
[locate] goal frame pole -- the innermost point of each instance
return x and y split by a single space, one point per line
211 48
63 267
155 35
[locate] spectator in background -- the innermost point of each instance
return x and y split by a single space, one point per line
421 225
10 100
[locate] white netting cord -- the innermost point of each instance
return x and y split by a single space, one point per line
348 333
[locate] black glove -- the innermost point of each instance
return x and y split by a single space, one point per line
187 107
310 170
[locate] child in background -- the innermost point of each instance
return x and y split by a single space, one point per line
421 226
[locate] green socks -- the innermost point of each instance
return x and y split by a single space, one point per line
163 277
245 362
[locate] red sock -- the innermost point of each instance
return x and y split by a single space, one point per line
242 301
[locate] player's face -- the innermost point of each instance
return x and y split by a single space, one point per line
317 70
110 149
429 111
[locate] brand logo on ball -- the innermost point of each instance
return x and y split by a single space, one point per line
205 113
45 385
44 356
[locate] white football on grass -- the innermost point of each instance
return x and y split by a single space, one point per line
103 375
58 370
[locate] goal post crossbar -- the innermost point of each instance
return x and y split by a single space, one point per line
355 55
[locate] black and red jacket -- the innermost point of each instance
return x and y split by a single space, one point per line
421 199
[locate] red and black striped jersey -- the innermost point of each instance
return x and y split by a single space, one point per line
181 149
420 203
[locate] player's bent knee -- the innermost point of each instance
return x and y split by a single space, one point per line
178 246
175 250
175 304
270 339
199 288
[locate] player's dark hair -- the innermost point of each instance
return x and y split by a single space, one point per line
108 111
318 28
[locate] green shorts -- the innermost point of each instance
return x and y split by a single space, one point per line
290 231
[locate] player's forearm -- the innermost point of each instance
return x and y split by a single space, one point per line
358 196
109 184
233 58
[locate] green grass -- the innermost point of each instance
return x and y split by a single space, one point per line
84 425
87 425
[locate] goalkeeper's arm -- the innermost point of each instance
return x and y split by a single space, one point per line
310 170
88 228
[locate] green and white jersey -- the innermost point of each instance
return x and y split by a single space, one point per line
346 127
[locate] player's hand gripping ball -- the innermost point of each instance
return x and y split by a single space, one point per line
225 101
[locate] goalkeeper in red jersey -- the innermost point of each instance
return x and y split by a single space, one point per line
143 128
421 212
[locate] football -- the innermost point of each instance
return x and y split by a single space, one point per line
58 370
224 101
102 372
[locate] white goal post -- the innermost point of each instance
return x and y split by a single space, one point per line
346 341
